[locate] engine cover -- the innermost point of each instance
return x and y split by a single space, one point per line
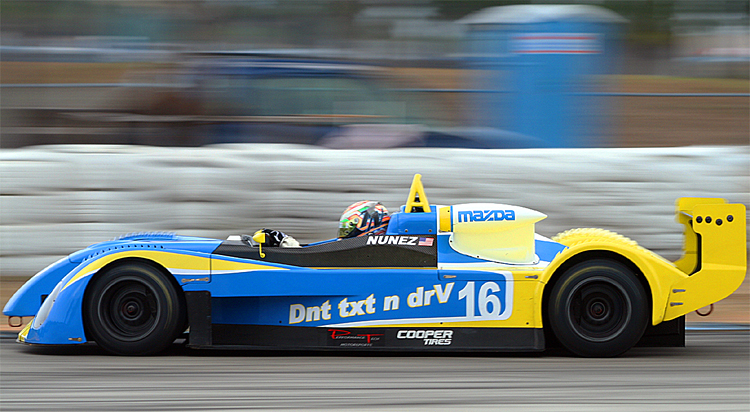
491 231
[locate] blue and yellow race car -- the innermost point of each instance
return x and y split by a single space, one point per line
467 277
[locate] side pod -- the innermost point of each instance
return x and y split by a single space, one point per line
199 318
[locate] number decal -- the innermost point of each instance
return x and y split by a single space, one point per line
468 293
490 306
486 298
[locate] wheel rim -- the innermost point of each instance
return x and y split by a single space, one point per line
129 309
598 309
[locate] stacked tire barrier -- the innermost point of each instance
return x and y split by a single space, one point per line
57 199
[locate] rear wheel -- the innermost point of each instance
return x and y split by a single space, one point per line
133 309
598 308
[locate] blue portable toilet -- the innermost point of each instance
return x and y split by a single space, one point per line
538 69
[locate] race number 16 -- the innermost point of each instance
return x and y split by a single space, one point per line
489 303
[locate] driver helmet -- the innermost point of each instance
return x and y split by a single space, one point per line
363 218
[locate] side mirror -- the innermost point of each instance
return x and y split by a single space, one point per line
260 238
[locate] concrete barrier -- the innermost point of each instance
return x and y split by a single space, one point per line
57 199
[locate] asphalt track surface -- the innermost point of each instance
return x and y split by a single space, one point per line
711 374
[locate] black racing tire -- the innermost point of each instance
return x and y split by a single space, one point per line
133 309
598 308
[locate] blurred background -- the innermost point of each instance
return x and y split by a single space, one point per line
220 117
376 73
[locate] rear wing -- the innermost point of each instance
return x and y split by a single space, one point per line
714 253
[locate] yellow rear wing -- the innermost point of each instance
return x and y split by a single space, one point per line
715 253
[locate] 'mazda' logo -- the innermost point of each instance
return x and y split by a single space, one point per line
485 215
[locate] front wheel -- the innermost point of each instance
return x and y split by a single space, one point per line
598 308
133 309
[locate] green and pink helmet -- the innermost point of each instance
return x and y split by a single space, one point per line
364 218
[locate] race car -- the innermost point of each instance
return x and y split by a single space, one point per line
466 277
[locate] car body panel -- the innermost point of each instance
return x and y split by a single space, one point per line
28 299
419 286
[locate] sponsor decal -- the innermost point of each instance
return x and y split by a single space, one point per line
400 240
345 338
429 337
459 301
299 313
485 215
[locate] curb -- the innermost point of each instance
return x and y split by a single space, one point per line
8 334
719 327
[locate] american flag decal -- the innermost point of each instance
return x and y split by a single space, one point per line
425 241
